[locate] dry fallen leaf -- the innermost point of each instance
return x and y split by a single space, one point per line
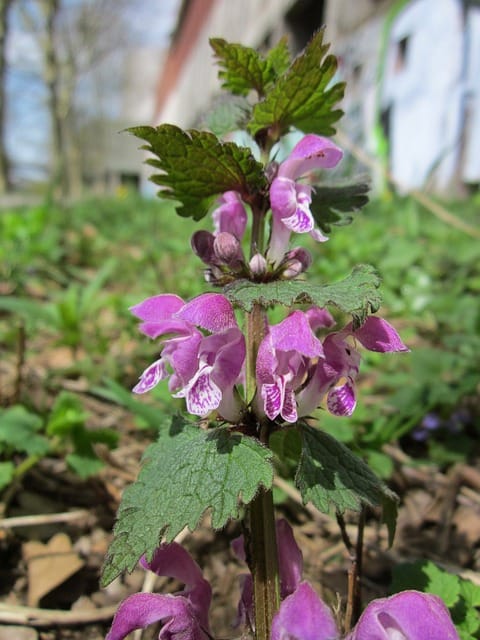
49 565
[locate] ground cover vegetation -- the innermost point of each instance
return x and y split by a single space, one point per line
71 433
70 354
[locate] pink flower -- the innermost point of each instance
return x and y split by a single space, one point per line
335 374
222 250
203 367
408 615
290 563
284 356
230 216
304 616
290 201
184 615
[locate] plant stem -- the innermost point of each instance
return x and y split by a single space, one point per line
260 532
255 332
263 559
261 542
352 612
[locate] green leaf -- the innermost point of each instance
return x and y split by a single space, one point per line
147 416
18 429
286 444
242 68
300 97
7 472
330 475
84 466
334 205
357 294
470 592
426 576
196 167
67 413
279 57
187 471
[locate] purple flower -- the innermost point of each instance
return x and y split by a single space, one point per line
184 615
203 369
221 250
335 374
230 216
290 201
304 616
408 615
283 359
290 562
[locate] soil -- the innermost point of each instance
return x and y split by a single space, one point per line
439 519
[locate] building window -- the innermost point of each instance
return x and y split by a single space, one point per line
402 48
302 20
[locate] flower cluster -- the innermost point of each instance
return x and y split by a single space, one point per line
409 615
294 370
203 369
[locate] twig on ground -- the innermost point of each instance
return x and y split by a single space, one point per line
44 518
35 617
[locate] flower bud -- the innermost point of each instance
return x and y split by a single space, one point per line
296 262
202 245
258 265
228 249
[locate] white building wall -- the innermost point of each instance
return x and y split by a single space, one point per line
424 92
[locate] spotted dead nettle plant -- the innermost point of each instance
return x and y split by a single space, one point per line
246 377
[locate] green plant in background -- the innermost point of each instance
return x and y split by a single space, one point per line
62 432
461 596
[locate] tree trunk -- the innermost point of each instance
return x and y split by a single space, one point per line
52 73
4 163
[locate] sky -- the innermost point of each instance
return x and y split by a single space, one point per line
150 23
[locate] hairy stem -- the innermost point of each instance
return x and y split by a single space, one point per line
263 558
352 612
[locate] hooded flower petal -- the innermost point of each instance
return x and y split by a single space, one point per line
158 314
142 609
184 615
173 561
310 153
290 563
290 201
408 615
282 361
290 559
377 334
304 616
230 216
335 376
210 311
